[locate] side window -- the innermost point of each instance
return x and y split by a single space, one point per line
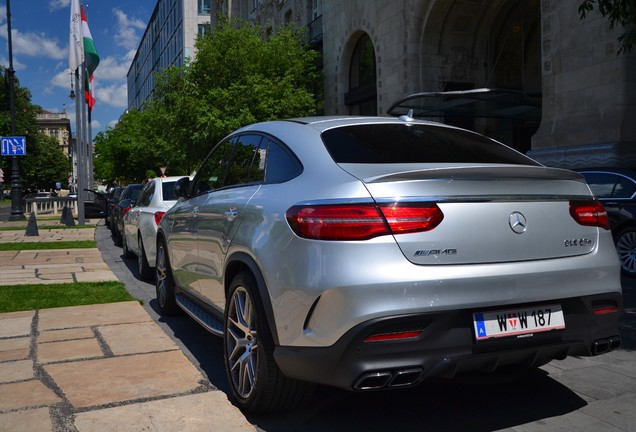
208 174
281 163
605 185
233 162
146 195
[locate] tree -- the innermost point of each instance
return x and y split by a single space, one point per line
241 75
618 12
45 163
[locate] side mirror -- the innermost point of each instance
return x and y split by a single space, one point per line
182 188
129 202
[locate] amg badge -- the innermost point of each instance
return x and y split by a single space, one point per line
428 252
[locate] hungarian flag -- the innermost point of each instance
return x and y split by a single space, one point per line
91 61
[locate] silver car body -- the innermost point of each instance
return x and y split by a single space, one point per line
317 293
140 222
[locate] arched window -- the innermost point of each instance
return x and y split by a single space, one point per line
362 95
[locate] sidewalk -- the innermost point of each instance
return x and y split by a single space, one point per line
98 367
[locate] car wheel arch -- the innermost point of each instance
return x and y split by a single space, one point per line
241 261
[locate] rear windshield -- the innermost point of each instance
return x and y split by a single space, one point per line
409 143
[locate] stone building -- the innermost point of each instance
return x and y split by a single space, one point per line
56 125
376 52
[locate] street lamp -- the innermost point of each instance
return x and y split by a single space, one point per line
16 190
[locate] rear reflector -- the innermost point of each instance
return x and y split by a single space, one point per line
605 310
362 221
159 216
393 336
589 213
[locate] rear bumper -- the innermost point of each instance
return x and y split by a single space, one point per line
447 346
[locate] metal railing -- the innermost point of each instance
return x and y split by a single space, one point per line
54 205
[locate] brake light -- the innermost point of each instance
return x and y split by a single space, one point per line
124 210
362 221
589 213
159 216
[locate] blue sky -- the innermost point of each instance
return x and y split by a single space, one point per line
40 35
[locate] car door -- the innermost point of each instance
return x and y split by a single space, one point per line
237 177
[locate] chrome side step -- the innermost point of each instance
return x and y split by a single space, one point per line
208 321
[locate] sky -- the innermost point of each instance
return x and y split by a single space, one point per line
40 39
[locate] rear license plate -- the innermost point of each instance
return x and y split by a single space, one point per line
516 322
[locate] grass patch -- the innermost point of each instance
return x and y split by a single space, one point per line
77 244
15 298
46 227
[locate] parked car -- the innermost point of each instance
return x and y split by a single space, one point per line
373 253
616 189
113 197
141 222
97 207
126 200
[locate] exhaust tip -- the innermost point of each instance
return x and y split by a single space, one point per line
600 346
372 381
405 378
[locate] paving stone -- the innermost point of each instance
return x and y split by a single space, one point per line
203 412
118 379
33 420
66 334
85 316
614 383
16 371
96 276
16 324
25 394
69 350
136 338
14 343
575 421
17 354
616 411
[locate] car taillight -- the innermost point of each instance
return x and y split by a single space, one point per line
362 221
590 213
124 210
159 216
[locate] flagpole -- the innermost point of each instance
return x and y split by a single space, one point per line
79 146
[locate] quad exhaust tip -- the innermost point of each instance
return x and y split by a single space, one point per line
388 379
603 346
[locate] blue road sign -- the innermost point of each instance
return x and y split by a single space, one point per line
13 146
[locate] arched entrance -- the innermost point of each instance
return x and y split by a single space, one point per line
361 99
494 44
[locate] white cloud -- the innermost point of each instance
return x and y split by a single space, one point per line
95 124
115 95
126 30
58 4
113 123
112 69
34 44
16 63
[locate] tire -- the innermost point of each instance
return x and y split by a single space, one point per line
125 251
164 283
256 382
626 249
145 271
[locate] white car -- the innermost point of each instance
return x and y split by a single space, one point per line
141 221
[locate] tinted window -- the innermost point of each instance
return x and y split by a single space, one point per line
167 191
146 195
131 192
397 143
607 185
281 164
233 162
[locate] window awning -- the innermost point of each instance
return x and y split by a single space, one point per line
476 103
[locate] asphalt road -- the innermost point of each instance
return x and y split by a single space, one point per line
587 394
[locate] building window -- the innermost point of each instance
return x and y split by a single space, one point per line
362 95
204 7
204 29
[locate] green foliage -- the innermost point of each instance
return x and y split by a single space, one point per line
241 75
618 12
45 162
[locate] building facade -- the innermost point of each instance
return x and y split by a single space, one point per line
376 52
56 125
168 40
